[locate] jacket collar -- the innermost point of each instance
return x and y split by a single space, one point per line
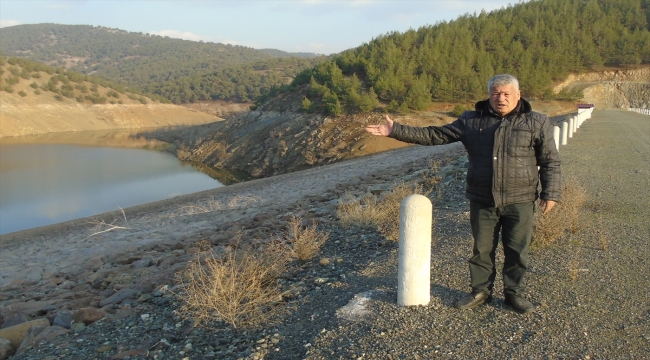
523 106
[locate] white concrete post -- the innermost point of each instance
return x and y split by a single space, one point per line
570 127
414 258
575 124
556 137
565 129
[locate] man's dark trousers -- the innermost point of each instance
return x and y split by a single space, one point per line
515 223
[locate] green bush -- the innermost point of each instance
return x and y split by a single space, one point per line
58 97
306 105
22 93
12 80
458 110
34 85
8 88
82 87
37 92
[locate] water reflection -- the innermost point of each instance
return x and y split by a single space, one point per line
42 184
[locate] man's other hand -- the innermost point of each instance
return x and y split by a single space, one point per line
546 205
381 129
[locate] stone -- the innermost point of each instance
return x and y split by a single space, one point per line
86 302
16 334
14 319
67 285
126 259
118 297
63 319
104 348
88 316
78 327
324 261
6 349
48 308
129 354
29 308
45 335
142 263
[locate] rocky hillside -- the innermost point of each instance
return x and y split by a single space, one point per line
40 100
613 89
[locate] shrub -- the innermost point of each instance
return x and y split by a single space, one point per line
22 93
36 75
37 92
377 211
58 97
240 288
564 217
8 88
12 80
305 242
458 110
306 105
142 100
25 74
34 85
82 87
113 93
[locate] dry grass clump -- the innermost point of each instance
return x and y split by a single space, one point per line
305 242
377 211
240 288
548 228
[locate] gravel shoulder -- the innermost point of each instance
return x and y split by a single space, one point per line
589 288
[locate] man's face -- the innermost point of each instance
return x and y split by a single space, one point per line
504 99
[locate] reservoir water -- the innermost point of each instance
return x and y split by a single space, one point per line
43 184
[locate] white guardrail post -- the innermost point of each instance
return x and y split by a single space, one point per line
414 258
565 130
640 111
571 127
556 137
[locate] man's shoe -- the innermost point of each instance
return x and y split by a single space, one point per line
470 301
519 304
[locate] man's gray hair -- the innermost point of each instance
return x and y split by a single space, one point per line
502 80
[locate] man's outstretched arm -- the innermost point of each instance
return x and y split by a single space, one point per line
428 135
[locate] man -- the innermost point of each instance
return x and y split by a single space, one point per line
506 142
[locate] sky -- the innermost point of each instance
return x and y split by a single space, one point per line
316 26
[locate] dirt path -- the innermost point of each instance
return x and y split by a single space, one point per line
71 248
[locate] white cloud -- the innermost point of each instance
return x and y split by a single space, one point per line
185 35
7 23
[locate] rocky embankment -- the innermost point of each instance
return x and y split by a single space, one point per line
615 89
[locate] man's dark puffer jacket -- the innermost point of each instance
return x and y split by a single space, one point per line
503 152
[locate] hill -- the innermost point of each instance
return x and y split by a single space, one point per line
161 65
540 42
37 99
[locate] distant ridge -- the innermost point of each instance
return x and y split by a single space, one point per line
172 68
